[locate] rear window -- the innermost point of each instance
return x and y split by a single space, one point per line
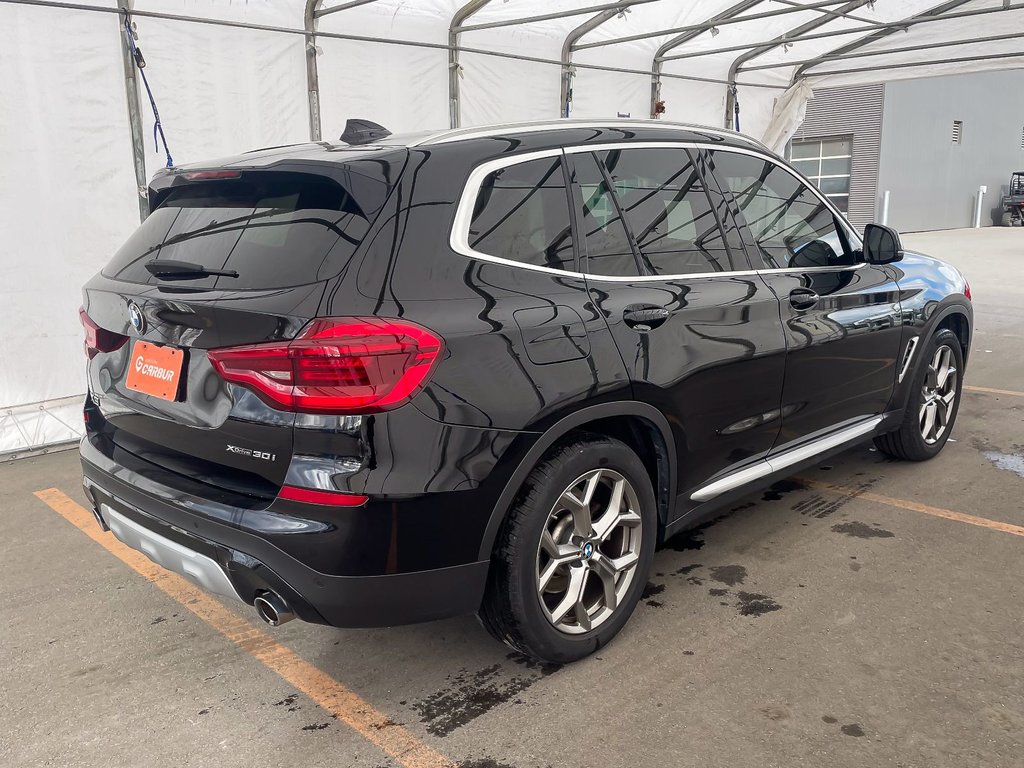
275 229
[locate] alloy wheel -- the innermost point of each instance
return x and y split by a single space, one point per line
589 550
938 395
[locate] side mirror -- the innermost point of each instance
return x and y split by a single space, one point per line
882 244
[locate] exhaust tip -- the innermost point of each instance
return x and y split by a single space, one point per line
273 609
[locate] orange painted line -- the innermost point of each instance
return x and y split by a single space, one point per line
990 391
328 693
913 506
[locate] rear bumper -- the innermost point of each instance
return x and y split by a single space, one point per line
204 549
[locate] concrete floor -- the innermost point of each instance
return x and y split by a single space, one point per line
805 628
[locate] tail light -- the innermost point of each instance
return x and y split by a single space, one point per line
327 498
967 290
99 339
336 365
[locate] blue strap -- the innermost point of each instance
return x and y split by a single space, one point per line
158 128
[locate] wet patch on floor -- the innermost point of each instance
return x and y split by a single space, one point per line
691 538
1010 462
716 592
862 531
688 569
316 726
779 489
729 574
287 701
852 729
545 668
829 719
652 589
825 505
483 762
754 604
469 695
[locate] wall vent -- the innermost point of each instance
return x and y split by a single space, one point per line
958 131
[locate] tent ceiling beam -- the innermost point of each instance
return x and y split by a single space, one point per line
657 65
343 7
731 103
901 25
565 89
617 7
932 62
454 68
705 26
827 12
903 49
880 35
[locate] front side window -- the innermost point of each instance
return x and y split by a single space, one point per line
790 224
668 211
522 214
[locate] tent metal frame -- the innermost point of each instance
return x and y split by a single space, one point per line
741 12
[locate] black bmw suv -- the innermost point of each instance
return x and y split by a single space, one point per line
396 379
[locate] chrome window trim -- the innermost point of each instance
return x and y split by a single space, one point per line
772 464
459 237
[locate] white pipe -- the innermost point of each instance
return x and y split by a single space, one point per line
977 207
885 207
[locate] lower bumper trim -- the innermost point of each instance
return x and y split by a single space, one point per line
201 570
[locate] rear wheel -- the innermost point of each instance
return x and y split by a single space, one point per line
933 402
572 557
1007 219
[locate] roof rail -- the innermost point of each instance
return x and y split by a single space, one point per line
463 134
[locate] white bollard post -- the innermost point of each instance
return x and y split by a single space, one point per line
977 207
885 207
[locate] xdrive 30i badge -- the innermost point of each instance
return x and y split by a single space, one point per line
262 455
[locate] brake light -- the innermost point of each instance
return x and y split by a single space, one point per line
329 498
967 290
336 365
99 339
210 175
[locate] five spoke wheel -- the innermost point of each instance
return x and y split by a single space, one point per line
589 550
938 395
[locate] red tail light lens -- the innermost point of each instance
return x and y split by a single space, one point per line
99 339
337 365
967 290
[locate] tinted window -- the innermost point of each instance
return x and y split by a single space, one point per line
790 224
522 214
667 210
274 229
608 248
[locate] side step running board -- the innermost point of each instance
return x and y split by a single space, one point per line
789 458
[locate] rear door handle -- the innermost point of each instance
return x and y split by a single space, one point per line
803 298
644 317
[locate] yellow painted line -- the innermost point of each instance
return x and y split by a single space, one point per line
335 698
913 506
990 391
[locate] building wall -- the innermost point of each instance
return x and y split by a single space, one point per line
852 110
933 182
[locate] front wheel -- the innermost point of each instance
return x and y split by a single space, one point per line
933 403
572 558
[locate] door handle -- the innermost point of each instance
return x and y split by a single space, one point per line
803 298
644 317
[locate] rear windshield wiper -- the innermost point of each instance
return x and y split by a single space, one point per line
184 270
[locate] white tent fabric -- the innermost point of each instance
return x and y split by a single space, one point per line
68 192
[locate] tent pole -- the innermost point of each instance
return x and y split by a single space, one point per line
565 91
131 92
658 65
454 68
310 18
731 97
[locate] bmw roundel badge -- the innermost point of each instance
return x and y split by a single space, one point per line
136 318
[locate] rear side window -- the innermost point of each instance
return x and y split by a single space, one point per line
668 211
522 214
608 249
791 225
275 229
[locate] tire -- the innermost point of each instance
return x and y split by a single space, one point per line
1007 220
548 625
921 437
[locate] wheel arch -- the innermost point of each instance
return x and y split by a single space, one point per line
637 424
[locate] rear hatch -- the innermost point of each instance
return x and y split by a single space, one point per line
231 255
